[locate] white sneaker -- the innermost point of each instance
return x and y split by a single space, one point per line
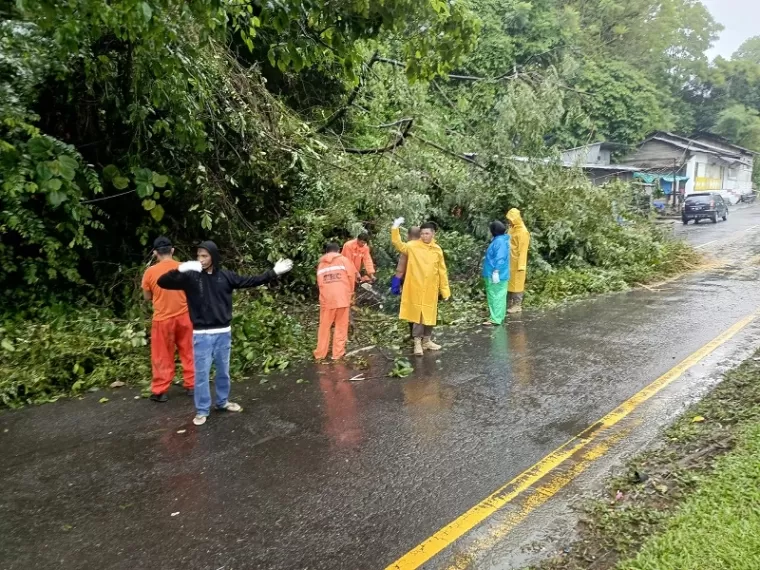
199 420
231 407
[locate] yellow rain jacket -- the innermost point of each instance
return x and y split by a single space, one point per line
519 241
426 277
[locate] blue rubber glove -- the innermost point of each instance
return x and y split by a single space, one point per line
396 285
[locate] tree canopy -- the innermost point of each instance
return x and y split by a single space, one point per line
283 123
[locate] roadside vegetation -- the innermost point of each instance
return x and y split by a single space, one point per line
275 127
691 501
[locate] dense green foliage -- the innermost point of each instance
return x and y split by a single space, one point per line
273 127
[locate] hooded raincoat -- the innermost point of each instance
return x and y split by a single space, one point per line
497 258
426 279
519 244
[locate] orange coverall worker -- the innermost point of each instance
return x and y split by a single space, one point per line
336 278
171 330
359 255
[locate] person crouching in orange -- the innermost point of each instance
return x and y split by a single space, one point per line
336 278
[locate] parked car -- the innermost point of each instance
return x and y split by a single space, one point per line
704 206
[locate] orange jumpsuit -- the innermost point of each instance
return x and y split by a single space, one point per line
171 330
359 255
336 278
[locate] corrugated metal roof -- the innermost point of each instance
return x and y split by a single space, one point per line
690 144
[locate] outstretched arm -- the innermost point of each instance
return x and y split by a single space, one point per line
179 279
248 281
241 282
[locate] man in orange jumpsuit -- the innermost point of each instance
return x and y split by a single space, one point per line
357 251
336 278
172 329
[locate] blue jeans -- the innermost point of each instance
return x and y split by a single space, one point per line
208 349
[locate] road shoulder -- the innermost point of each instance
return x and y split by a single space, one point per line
698 481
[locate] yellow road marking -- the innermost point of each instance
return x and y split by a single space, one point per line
463 524
538 497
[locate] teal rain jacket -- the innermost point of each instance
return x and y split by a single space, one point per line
497 258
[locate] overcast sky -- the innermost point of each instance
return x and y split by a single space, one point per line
741 18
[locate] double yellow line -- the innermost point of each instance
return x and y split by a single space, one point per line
589 437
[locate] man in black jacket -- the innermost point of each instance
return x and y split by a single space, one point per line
209 289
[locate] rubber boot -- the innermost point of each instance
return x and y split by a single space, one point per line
428 344
515 308
418 347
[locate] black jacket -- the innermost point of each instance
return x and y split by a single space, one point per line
209 295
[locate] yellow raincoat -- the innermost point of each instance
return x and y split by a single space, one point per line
426 277
519 241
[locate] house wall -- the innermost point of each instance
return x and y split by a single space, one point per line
738 177
600 177
592 154
709 173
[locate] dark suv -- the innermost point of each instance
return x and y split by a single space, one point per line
704 206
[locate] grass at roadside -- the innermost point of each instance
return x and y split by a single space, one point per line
692 502
719 526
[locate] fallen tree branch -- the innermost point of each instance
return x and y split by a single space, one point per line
449 152
350 101
512 74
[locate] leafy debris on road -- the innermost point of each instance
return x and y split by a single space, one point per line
401 368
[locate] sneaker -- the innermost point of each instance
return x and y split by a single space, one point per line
159 397
199 420
190 392
230 407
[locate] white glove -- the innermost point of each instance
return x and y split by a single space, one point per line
190 266
495 277
397 223
283 266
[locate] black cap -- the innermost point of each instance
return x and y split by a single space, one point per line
162 241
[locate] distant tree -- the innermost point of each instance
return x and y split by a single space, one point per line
741 125
749 50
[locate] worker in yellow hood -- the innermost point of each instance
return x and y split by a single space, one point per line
519 242
426 278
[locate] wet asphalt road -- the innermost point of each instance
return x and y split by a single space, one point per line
347 475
